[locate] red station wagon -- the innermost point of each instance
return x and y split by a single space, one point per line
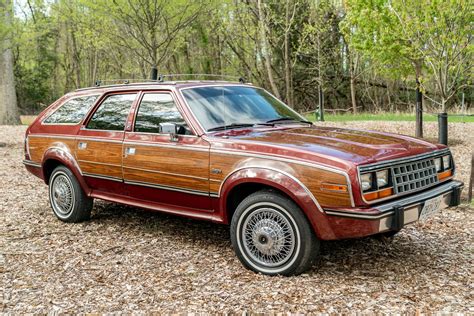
232 153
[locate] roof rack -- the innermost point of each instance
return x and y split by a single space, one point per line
161 77
100 83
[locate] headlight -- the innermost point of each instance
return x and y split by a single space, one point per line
446 162
382 178
366 181
437 162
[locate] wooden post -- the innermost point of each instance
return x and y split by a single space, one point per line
154 73
419 110
471 180
321 104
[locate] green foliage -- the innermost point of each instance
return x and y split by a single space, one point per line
380 44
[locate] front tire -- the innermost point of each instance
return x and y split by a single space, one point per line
68 200
271 235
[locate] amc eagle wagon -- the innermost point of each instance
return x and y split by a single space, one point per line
232 153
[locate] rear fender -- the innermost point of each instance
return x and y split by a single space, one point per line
63 155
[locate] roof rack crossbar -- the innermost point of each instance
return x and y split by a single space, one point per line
161 77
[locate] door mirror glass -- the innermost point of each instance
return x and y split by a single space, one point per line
170 128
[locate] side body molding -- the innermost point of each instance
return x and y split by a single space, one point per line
283 181
63 155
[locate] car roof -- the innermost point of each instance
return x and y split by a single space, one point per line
170 85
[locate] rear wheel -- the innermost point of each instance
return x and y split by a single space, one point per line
68 200
270 234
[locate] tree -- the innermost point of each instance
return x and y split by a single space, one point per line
8 102
447 44
149 28
431 36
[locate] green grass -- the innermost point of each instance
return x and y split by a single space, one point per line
388 117
27 119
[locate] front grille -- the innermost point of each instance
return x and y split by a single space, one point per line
414 176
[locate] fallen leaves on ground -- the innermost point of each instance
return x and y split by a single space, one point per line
128 260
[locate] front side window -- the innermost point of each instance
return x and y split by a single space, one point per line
112 113
155 110
72 111
226 105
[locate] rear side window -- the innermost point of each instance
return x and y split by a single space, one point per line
72 111
112 113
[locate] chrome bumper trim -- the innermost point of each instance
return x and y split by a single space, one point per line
387 209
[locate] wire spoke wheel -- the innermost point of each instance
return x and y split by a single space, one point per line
268 237
62 195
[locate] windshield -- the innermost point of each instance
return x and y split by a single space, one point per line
236 106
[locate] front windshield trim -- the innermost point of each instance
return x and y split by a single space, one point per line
205 131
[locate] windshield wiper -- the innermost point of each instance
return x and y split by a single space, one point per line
230 126
283 119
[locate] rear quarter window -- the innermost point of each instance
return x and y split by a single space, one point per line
72 111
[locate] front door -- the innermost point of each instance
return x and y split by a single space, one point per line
99 143
159 169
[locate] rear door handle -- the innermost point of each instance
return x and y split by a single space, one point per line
82 145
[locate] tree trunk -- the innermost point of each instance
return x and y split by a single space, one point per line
289 101
419 102
8 102
267 58
352 70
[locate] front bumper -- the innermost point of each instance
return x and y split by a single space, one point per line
348 223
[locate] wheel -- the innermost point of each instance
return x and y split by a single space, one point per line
271 235
68 200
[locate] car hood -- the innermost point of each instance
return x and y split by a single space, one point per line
349 145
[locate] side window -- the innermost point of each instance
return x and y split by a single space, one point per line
72 111
155 109
112 113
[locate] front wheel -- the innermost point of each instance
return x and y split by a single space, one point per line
271 235
68 200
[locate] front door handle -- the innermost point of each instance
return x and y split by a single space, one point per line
82 145
130 151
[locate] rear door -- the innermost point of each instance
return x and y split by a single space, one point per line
159 169
99 143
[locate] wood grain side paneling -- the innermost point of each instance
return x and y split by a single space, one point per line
100 157
182 161
39 145
165 180
311 177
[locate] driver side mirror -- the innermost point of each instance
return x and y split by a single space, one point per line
170 128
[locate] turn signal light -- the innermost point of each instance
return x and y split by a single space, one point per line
445 174
334 187
378 194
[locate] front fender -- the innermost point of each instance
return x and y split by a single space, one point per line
63 155
282 181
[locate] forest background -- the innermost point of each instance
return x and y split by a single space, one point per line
354 55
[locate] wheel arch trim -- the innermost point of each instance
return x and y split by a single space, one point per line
302 196
244 168
67 159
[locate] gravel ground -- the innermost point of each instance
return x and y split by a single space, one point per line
126 259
